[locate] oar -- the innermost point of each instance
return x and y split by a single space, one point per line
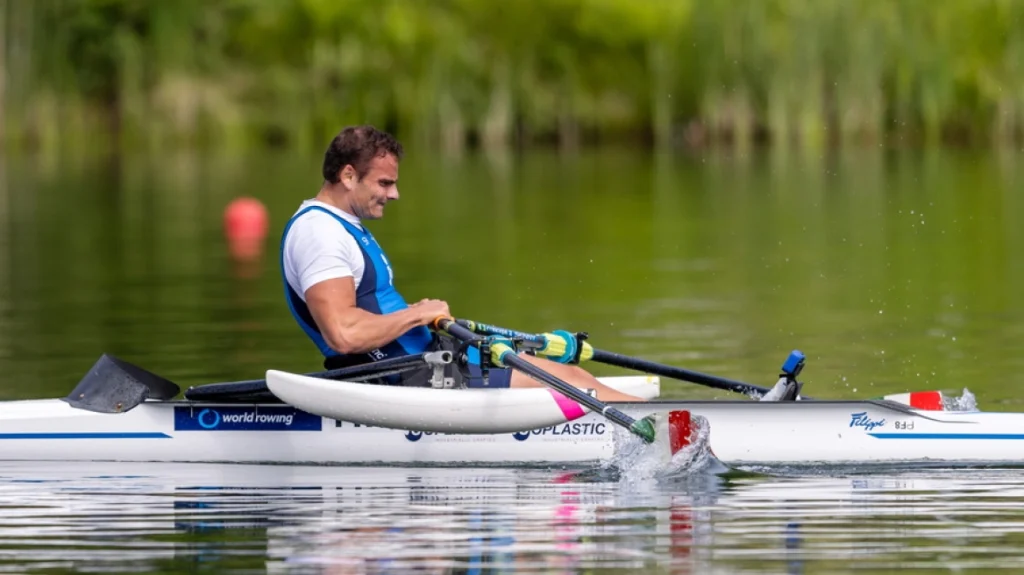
502 354
114 385
256 389
713 381
588 352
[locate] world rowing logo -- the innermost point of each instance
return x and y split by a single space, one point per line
208 418
229 418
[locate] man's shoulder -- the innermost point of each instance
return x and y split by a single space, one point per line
313 215
317 228
316 219
319 211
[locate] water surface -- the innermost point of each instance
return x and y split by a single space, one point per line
891 271
253 519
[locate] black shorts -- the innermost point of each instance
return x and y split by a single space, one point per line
468 375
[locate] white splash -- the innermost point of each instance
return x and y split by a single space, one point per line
638 461
966 402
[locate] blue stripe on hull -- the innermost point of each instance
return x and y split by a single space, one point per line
88 435
1018 436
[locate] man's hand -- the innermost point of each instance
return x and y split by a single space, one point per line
427 310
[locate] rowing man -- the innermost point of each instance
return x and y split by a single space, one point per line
340 286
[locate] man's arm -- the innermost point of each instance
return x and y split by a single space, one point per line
349 329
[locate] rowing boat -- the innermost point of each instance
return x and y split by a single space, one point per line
121 412
742 433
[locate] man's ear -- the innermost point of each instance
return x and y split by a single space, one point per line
348 176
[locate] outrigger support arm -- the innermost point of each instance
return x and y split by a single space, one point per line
438 360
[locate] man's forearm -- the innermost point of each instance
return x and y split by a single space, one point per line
360 331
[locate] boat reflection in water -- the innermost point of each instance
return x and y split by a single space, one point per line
179 518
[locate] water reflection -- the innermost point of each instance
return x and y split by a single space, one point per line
179 518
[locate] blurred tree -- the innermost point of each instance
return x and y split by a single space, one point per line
451 73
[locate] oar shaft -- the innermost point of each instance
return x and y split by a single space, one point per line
629 362
383 367
257 388
579 396
489 329
574 393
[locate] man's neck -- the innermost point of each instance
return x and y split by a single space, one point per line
331 197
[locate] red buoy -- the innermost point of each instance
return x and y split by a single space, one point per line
245 225
246 218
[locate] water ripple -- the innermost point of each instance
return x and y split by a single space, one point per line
254 519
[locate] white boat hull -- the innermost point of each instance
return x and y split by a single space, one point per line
182 432
856 432
742 433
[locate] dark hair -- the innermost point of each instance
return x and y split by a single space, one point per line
358 146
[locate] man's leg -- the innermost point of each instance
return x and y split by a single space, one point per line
571 374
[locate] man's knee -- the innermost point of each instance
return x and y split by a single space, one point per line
565 371
576 372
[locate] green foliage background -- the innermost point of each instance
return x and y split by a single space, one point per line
501 73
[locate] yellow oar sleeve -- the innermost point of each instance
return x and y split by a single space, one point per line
560 346
498 353
588 352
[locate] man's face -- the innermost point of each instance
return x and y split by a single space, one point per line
378 187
